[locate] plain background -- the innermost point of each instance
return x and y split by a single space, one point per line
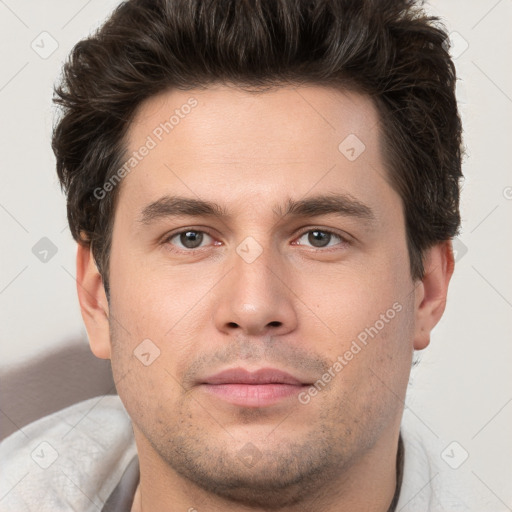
461 390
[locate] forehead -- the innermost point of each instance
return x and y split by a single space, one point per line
232 144
221 115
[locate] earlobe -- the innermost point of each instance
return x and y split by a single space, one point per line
93 302
432 291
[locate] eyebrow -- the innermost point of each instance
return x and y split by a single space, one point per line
339 204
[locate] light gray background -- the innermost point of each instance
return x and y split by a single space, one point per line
462 388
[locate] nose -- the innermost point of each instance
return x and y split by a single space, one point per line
255 298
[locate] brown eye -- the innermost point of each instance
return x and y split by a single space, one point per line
189 239
319 238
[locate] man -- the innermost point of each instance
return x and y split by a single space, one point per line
264 195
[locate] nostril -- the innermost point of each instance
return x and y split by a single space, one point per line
275 324
233 324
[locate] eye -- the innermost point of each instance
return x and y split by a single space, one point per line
320 238
189 239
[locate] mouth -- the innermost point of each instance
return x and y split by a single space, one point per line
261 388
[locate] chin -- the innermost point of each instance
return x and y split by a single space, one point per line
270 477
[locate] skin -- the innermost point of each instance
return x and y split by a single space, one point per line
296 307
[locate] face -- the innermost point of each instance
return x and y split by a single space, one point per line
262 309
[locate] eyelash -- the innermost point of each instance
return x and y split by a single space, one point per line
343 240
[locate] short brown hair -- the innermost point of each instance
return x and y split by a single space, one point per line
388 49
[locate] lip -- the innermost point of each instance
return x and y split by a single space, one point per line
261 376
260 388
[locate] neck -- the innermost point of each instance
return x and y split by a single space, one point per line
368 484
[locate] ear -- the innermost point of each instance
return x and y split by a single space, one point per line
93 302
431 292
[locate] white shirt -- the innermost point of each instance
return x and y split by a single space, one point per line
73 460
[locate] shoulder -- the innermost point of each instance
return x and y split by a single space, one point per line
437 476
70 460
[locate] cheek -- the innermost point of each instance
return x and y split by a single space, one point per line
350 301
151 301
377 356
158 316
371 315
